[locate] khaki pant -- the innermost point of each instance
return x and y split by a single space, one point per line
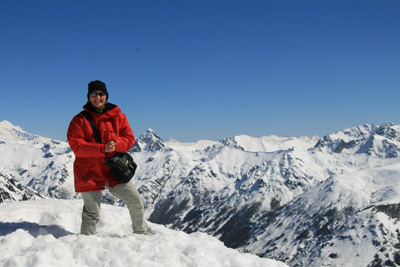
127 193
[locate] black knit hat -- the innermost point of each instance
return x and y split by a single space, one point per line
97 85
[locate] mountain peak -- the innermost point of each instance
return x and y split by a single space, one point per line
9 131
6 125
148 141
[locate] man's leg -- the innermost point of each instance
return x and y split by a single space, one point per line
91 212
129 194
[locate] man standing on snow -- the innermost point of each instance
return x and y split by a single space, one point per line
91 173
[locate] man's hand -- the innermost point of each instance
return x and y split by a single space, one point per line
110 146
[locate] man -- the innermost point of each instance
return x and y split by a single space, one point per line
91 173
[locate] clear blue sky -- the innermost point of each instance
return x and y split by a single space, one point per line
203 69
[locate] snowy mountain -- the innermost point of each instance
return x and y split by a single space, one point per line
348 220
148 142
274 143
378 141
43 164
15 133
292 199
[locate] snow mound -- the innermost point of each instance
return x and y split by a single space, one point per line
44 233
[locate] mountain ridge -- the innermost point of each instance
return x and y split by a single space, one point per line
239 186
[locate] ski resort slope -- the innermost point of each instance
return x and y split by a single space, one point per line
44 233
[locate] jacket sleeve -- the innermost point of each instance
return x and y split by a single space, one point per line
78 140
125 138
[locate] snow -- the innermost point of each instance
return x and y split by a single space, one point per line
181 146
356 237
376 186
274 143
45 233
270 143
15 133
317 186
349 133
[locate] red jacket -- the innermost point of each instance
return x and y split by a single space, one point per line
90 156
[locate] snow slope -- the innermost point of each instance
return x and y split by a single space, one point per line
43 164
11 190
44 233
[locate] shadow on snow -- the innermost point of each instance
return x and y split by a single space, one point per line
34 229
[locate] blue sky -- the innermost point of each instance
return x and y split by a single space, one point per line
203 69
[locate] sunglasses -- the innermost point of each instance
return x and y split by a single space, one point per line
94 94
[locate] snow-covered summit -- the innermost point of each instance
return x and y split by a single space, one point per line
148 141
10 132
44 233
